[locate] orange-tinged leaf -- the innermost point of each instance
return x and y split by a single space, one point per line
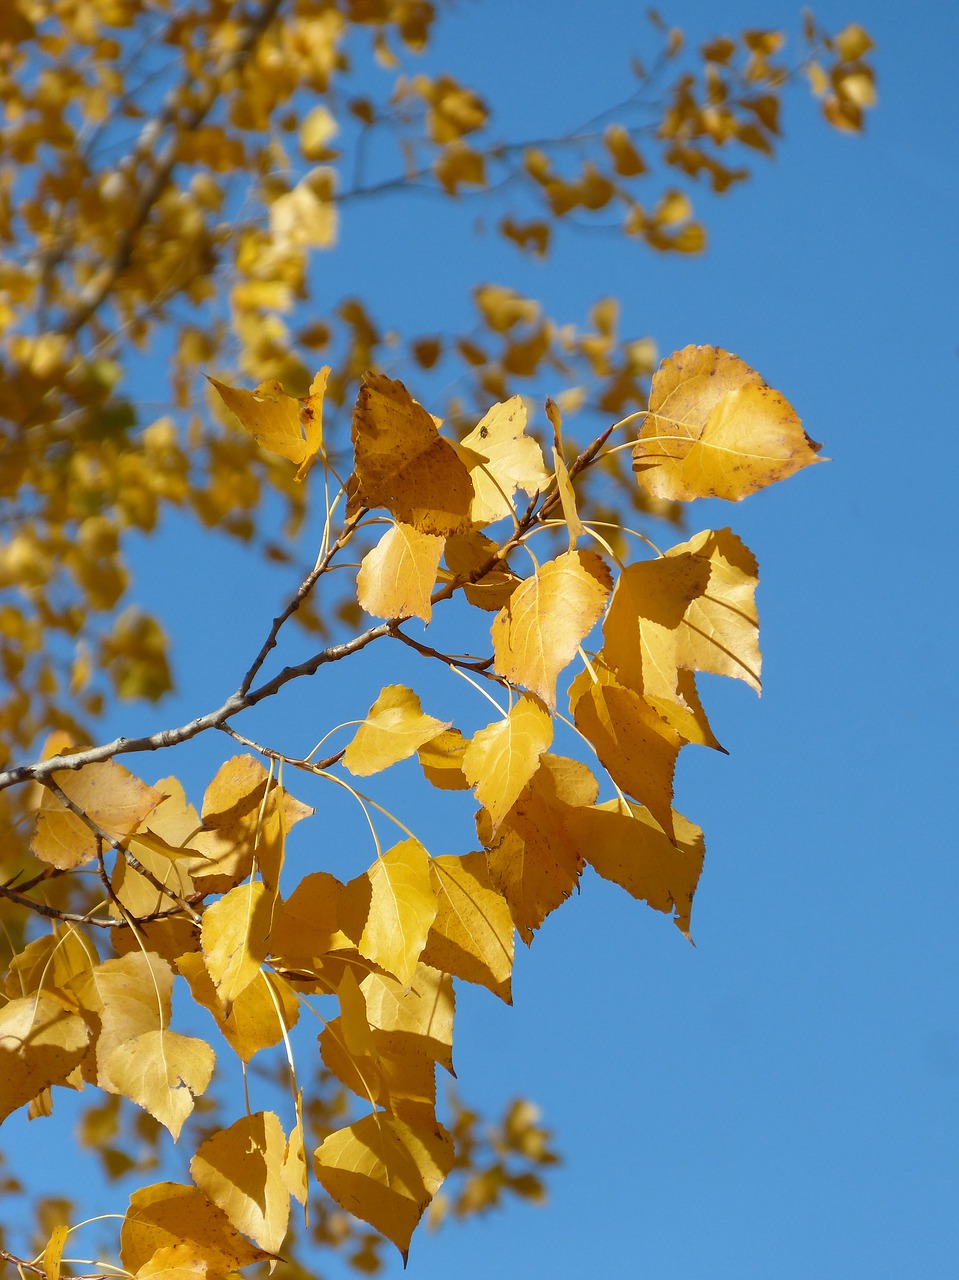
472 935
715 429
511 460
442 760
501 759
235 937
108 794
538 632
397 577
41 1041
385 1172
394 729
167 1215
306 925
175 1262
241 1170
533 859
465 555
720 630
162 1072
416 1017
625 845
275 420
253 1022
635 744
403 464
395 905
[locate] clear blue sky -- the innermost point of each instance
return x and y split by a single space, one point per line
780 1101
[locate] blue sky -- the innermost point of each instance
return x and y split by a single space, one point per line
780 1100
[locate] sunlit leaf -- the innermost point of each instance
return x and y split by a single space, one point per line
41 1041
162 1072
397 577
501 759
168 1215
472 935
394 729
241 1170
391 908
511 460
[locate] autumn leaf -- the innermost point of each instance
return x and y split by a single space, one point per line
169 1215
719 632
241 1170
129 996
501 759
41 1041
279 422
625 845
634 743
416 1016
389 910
385 1172
403 464
162 1072
235 936
534 860
394 729
472 934
511 460
466 554
257 1017
53 1253
108 794
715 429
538 632
397 577
442 760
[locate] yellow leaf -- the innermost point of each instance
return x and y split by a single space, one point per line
397 577
416 1017
277 421
41 1041
129 996
567 500
241 1170
385 1172
538 632
108 794
502 758
253 1022
403 464
159 848
624 844
466 554
641 628
511 460
174 1262
294 1162
162 1072
235 937
53 1253
442 760
391 908
716 430
720 630
635 744
307 923
168 1215
472 935
534 861
395 727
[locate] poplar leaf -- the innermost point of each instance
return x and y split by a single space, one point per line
567 498
277 421
235 937
53 1253
253 1022
720 629
625 845
396 578
41 1041
715 429
472 934
162 1072
442 760
168 1215
538 632
404 465
129 996
385 1172
307 924
416 1017
241 1170
175 1262
501 759
634 743
392 907
294 1162
534 859
395 727
511 460
465 555
108 794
